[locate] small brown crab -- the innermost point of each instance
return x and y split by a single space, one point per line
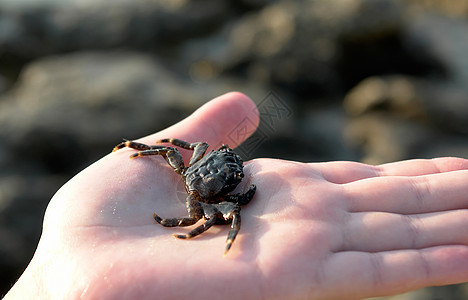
208 180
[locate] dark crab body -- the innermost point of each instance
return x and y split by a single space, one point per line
208 180
214 175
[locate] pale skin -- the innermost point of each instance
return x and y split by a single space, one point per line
336 230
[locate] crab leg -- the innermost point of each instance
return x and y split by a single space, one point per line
242 199
198 148
135 145
174 222
198 230
171 155
195 213
235 227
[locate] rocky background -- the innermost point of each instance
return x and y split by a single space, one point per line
364 80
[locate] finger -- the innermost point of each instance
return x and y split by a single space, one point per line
418 167
377 231
341 172
345 172
409 195
385 273
215 122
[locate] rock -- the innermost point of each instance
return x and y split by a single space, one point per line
442 41
386 138
451 9
440 102
371 20
4 84
401 94
411 104
446 105
292 44
81 104
445 145
31 30
89 97
323 131
23 199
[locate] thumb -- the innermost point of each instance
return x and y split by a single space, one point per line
230 118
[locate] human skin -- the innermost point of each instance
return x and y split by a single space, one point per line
335 230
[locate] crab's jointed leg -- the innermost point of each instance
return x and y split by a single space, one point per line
235 227
195 213
228 211
198 230
223 211
135 145
171 155
242 199
198 148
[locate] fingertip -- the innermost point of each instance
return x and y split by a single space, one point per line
232 106
447 164
228 119
416 167
242 99
234 117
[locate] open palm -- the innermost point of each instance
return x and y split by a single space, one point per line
326 230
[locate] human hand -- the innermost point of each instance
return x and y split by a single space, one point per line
322 230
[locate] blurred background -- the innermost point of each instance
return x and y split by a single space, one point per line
363 80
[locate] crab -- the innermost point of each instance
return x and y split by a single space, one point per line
208 181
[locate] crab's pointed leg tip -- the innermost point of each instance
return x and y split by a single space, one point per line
179 236
156 217
228 247
118 147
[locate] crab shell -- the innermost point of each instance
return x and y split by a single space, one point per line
214 175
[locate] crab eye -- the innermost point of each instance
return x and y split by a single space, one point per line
239 175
